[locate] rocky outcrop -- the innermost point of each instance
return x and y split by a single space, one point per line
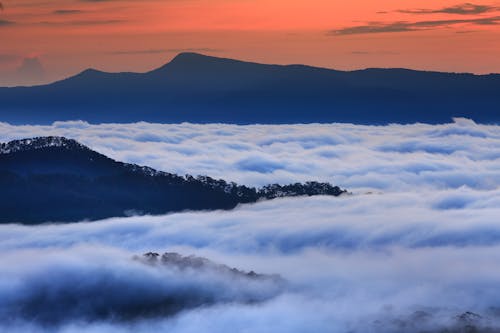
200 264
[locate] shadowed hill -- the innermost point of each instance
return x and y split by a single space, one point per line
57 179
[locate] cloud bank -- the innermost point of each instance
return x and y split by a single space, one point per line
414 248
97 284
375 158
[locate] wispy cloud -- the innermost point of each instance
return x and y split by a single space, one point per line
4 23
81 22
67 11
405 26
460 9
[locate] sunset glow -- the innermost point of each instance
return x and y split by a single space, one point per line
67 36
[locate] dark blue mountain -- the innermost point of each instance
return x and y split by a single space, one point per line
203 89
57 179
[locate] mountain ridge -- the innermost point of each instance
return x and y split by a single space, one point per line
204 89
54 179
187 58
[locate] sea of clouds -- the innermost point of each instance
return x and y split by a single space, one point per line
416 245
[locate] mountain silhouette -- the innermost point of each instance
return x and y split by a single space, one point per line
54 179
204 89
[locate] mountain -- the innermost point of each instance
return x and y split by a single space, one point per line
203 89
57 179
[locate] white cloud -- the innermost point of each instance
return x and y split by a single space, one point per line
388 158
426 239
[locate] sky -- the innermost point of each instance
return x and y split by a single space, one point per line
42 41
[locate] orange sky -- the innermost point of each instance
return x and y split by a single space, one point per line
67 36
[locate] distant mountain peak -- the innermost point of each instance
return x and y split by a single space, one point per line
90 72
195 62
192 57
184 58
40 143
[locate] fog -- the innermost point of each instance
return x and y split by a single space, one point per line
413 248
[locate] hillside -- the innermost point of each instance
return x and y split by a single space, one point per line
54 179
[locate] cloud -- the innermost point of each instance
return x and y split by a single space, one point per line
105 284
31 70
374 27
67 11
351 263
360 158
259 164
405 26
460 9
413 248
4 23
81 22
466 218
